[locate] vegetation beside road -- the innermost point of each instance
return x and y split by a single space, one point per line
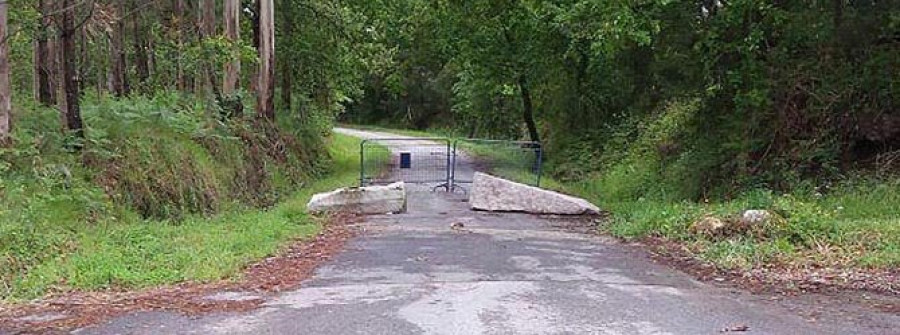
163 197
151 142
854 223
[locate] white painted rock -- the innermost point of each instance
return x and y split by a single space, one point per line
490 193
361 200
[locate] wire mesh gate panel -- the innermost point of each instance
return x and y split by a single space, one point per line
416 161
515 160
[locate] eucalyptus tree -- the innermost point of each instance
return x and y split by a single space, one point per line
232 17
44 69
70 102
5 89
265 86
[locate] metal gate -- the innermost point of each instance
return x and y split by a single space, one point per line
515 160
415 161
440 162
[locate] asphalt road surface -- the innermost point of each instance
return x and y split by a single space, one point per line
497 274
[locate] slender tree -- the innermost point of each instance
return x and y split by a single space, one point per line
117 78
71 110
5 89
265 106
180 31
207 12
139 39
286 59
528 110
43 64
254 24
233 34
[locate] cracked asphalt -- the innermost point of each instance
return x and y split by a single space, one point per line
497 274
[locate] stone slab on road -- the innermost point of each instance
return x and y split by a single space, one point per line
490 193
361 200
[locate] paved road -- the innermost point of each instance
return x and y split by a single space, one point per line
500 274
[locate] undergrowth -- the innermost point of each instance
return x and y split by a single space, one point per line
161 193
653 177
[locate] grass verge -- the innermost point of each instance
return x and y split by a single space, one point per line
855 225
130 252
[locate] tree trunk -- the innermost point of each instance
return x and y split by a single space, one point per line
265 106
42 59
208 30
528 111
838 13
117 54
287 86
68 56
180 28
286 59
254 76
83 59
233 34
5 89
141 61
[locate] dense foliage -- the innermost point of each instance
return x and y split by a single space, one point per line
686 98
149 165
154 85
135 158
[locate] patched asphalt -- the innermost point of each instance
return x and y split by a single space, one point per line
443 269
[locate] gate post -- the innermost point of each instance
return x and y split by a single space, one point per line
362 163
540 163
450 167
453 167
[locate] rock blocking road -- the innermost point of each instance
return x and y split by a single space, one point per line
496 194
443 269
361 200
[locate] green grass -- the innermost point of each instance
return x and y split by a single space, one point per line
65 227
503 159
141 253
853 225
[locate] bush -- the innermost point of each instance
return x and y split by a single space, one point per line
161 158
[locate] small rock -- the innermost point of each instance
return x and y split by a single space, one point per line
756 217
44 317
457 226
736 328
709 225
759 222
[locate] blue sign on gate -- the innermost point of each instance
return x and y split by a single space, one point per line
405 160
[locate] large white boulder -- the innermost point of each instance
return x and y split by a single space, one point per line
361 200
491 193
